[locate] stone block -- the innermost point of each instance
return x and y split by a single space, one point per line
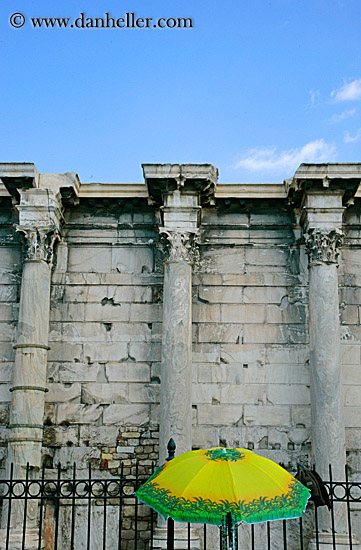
6 351
242 353
262 256
351 375
287 394
218 373
69 352
127 372
202 353
146 313
286 313
81 456
219 333
94 258
352 395
349 315
221 294
99 436
206 393
107 312
144 393
287 374
136 415
244 394
220 415
143 352
266 415
9 312
105 393
63 393
205 437
5 394
8 293
301 416
223 260
69 413
264 295
244 314
61 436
132 259
350 354
353 438
76 372
6 371
253 373
287 354
106 351
206 313
264 334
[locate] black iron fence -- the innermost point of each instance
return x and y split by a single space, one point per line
89 512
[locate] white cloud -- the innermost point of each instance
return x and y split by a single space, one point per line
350 91
350 139
315 97
343 115
269 160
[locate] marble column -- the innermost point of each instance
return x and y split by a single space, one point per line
327 407
176 369
39 217
323 239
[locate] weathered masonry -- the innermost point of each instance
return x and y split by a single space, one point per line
218 314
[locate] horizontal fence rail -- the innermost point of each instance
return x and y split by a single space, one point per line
83 511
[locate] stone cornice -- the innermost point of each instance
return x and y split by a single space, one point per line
203 177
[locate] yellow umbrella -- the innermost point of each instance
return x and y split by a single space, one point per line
205 486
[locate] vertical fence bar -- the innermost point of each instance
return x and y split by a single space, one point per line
41 505
284 526
301 534
170 534
316 527
89 507
73 510
348 494
189 536
25 505
205 536
57 508
120 508
332 509
268 536
105 516
252 536
9 508
136 508
151 528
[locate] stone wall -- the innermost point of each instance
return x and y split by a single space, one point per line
250 334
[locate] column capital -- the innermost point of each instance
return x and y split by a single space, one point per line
179 246
40 219
323 245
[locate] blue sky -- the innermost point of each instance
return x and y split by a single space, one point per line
254 88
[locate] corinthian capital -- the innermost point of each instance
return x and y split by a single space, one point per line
39 242
179 246
323 245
